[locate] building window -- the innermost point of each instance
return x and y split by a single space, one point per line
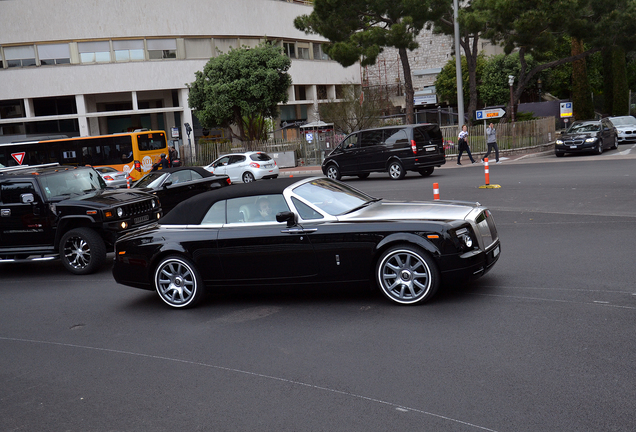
300 92
20 56
223 46
12 109
340 92
318 53
303 50
54 54
322 92
289 49
162 49
198 48
94 52
128 50
53 106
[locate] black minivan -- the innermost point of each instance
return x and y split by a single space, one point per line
392 149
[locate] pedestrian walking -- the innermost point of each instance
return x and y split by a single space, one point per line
462 141
491 140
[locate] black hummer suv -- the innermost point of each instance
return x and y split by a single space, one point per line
50 211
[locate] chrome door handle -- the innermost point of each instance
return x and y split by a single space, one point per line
298 230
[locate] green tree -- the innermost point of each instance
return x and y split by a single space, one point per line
355 111
495 89
620 105
241 88
582 105
446 81
359 30
471 25
533 27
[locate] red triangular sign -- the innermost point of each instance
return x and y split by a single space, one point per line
19 157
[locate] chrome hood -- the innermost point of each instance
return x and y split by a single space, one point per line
415 210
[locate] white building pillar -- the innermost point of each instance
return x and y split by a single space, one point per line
80 103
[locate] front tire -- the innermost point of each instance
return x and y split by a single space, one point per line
396 170
82 251
615 146
178 283
248 177
333 172
407 275
599 149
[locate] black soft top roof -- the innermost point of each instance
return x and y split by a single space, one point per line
200 170
192 210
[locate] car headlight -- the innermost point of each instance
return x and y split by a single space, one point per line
590 140
120 211
559 142
464 235
154 204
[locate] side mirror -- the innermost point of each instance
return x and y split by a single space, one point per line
27 198
287 216
166 184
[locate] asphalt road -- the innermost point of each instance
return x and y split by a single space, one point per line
544 342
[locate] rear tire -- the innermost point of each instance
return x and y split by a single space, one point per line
248 177
82 251
615 146
426 171
178 283
396 170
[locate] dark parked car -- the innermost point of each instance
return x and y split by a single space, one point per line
394 149
587 136
324 232
54 211
173 185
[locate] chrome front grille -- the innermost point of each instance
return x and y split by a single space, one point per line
486 228
138 208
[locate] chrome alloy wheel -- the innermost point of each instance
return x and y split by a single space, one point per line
177 283
405 276
77 252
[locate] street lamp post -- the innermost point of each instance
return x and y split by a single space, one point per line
511 81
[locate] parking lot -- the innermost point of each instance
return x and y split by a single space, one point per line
545 341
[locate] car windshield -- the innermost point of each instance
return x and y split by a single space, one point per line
151 180
105 170
72 182
333 197
584 127
623 121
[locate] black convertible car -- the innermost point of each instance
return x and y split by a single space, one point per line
314 230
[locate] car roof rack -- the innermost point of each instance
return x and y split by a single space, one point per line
21 167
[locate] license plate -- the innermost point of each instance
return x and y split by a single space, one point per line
573 146
141 219
269 166
495 252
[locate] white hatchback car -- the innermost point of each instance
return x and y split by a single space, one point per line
245 167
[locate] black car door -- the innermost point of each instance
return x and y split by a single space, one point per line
371 156
24 222
348 157
263 252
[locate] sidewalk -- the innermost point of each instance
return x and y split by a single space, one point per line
506 156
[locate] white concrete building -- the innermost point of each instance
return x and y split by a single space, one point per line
80 67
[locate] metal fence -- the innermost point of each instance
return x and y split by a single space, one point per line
510 136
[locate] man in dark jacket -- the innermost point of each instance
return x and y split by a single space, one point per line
163 163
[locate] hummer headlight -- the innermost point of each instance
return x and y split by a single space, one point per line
120 211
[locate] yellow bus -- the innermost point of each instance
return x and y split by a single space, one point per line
133 153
